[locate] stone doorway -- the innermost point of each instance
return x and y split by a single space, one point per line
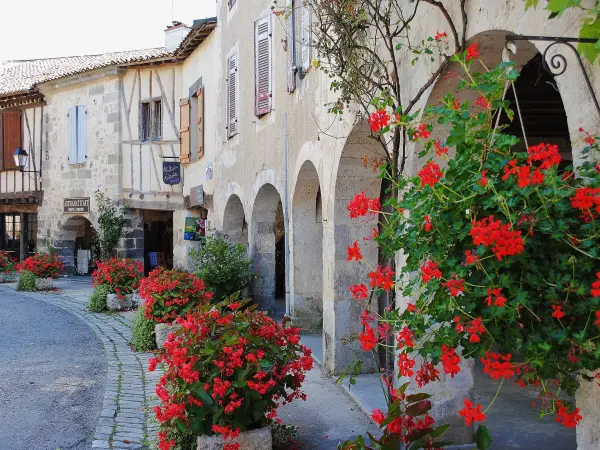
158 239
76 246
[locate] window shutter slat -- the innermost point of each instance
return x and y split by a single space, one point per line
306 37
200 122
11 137
81 137
232 101
262 54
73 135
184 130
291 46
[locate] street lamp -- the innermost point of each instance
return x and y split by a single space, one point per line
21 157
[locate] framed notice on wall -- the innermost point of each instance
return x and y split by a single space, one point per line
77 205
195 229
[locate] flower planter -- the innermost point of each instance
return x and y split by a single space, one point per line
127 302
162 330
249 440
6 277
44 284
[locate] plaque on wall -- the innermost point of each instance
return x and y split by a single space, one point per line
197 196
80 205
171 172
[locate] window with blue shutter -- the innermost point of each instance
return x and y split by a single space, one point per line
77 134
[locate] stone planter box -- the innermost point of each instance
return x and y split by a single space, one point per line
129 301
6 277
44 284
249 440
162 330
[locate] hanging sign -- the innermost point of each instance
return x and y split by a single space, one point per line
171 172
77 205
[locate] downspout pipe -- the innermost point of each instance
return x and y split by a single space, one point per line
286 214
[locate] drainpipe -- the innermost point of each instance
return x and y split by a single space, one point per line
286 215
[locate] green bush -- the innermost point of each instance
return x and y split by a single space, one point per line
26 281
142 336
225 268
97 301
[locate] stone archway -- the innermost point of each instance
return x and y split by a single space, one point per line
234 225
267 237
307 232
74 244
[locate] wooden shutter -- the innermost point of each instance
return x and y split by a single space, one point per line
291 46
232 102
306 36
72 135
262 63
184 130
81 137
11 137
200 122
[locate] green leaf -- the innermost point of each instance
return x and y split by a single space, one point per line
413 398
483 438
418 409
182 426
590 29
531 4
559 6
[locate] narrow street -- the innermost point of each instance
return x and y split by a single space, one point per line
52 376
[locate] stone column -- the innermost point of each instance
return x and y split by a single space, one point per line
587 400
131 244
23 248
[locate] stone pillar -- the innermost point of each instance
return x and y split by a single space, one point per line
23 248
131 244
587 400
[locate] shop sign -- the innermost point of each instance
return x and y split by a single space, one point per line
171 172
79 205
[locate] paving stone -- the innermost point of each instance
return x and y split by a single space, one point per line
100 444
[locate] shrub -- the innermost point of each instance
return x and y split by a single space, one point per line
168 294
227 371
26 281
142 336
42 265
7 262
122 276
97 301
224 267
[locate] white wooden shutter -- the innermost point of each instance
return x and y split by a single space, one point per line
291 46
73 135
232 100
262 57
81 138
306 36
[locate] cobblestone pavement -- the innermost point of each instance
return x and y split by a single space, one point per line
126 420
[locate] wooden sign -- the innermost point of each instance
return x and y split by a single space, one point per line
197 196
79 205
171 172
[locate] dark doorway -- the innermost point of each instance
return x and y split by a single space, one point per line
158 240
280 291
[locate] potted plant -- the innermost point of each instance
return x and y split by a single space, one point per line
122 276
226 372
45 267
168 294
7 266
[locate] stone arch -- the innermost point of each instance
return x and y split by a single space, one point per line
75 233
307 249
267 238
234 224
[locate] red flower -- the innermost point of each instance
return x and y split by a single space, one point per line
495 296
354 252
420 132
368 339
482 102
359 291
405 365
546 154
585 199
557 312
439 148
472 414
472 51
430 270
458 325
378 120
439 36
455 285
495 234
411 308
405 338
382 278
567 418
498 366
426 374
450 361
378 416
430 174
360 205
475 328
428 224
471 257
483 181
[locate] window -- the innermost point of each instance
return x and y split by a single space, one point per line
77 138
299 41
291 45
305 56
10 137
200 122
232 95
12 234
262 55
151 120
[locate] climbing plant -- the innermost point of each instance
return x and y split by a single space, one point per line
111 221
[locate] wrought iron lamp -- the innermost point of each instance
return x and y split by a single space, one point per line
21 157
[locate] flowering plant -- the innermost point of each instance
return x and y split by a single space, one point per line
7 262
42 265
168 294
500 252
121 275
227 371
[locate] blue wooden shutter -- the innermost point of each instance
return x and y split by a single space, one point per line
72 135
81 138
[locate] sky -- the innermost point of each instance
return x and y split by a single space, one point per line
31 29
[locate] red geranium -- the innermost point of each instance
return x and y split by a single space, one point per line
122 276
7 262
42 265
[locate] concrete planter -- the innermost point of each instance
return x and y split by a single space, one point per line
44 284
129 301
162 330
249 440
6 277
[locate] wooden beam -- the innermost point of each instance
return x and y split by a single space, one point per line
166 101
32 209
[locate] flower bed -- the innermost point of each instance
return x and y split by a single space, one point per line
122 276
168 294
227 371
42 265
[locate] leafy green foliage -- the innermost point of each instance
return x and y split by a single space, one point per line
97 301
111 221
225 268
142 332
26 281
